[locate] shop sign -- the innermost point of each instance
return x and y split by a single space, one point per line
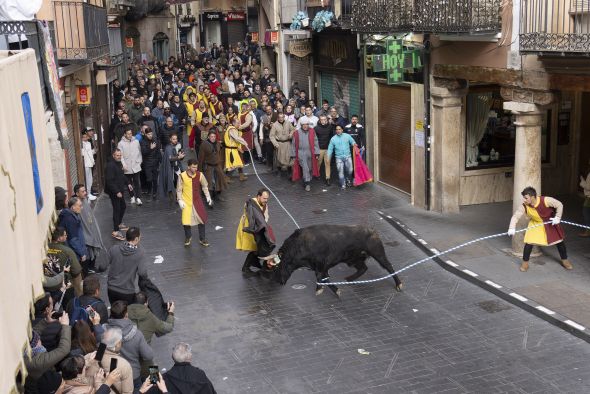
274 37
255 36
396 60
236 16
336 51
300 48
129 42
212 16
83 95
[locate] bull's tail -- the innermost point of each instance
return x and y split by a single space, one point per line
376 250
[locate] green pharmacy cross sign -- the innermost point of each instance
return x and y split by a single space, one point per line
396 60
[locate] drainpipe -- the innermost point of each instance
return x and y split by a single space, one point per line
426 77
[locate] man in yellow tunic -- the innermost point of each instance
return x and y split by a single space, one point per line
540 209
254 234
188 193
234 146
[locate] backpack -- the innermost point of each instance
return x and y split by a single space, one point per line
80 313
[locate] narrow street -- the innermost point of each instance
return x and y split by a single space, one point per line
441 334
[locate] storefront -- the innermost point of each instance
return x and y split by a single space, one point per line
211 28
337 66
236 27
299 63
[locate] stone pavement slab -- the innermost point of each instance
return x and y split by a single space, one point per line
441 334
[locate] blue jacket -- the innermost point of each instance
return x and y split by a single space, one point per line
73 225
340 145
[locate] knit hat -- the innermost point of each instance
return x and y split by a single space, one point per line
49 382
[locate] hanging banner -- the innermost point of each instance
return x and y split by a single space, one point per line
129 42
255 36
300 48
52 77
83 95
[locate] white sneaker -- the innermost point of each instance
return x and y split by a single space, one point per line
132 200
91 197
138 201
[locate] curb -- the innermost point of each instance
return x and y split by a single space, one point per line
487 284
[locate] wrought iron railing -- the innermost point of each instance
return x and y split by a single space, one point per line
555 27
17 35
342 10
119 7
427 16
81 30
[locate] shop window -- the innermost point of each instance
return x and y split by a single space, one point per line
490 133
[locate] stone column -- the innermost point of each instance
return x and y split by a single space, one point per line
527 158
446 140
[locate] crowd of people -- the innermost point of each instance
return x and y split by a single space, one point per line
182 131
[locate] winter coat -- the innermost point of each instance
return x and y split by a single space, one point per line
50 333
115 181
72 222
324 133
148 323
165 133
179 110
150 156
135 113
125 384
42 362
135 348
125 264
130 155
183 378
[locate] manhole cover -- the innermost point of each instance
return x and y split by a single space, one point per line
298 286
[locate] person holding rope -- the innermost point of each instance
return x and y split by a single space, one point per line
254 234
540 209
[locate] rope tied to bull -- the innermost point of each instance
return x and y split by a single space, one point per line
412 265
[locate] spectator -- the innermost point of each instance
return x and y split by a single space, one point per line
90 229
91 298
170 168
113 339
83 339
336 119
131 160
125 264
76 377
134 347
140 314
44 323
88 156
324 131
115 185
281 134
356 131
185 378
150 152
40 360
136 110
166 131
304 148
62 256
308 118
69 219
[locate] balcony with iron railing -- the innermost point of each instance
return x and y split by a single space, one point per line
81 30
119 7
18 35
426 16
560 27
342 10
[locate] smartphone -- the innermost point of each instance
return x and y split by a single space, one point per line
100 352
91 312
154 374
113 365
56 315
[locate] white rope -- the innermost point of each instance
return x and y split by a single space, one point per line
407 267
270 190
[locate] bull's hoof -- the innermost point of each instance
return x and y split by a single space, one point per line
399 287
338 293
319 291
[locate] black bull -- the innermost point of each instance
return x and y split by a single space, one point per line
321 247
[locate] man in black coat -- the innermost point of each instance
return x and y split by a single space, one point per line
115 185
324 130
150 153
183 377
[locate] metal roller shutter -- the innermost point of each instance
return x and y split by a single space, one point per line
341 91
70 149
395 136
300 72
236 32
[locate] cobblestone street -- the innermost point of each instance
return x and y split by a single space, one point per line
441 334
